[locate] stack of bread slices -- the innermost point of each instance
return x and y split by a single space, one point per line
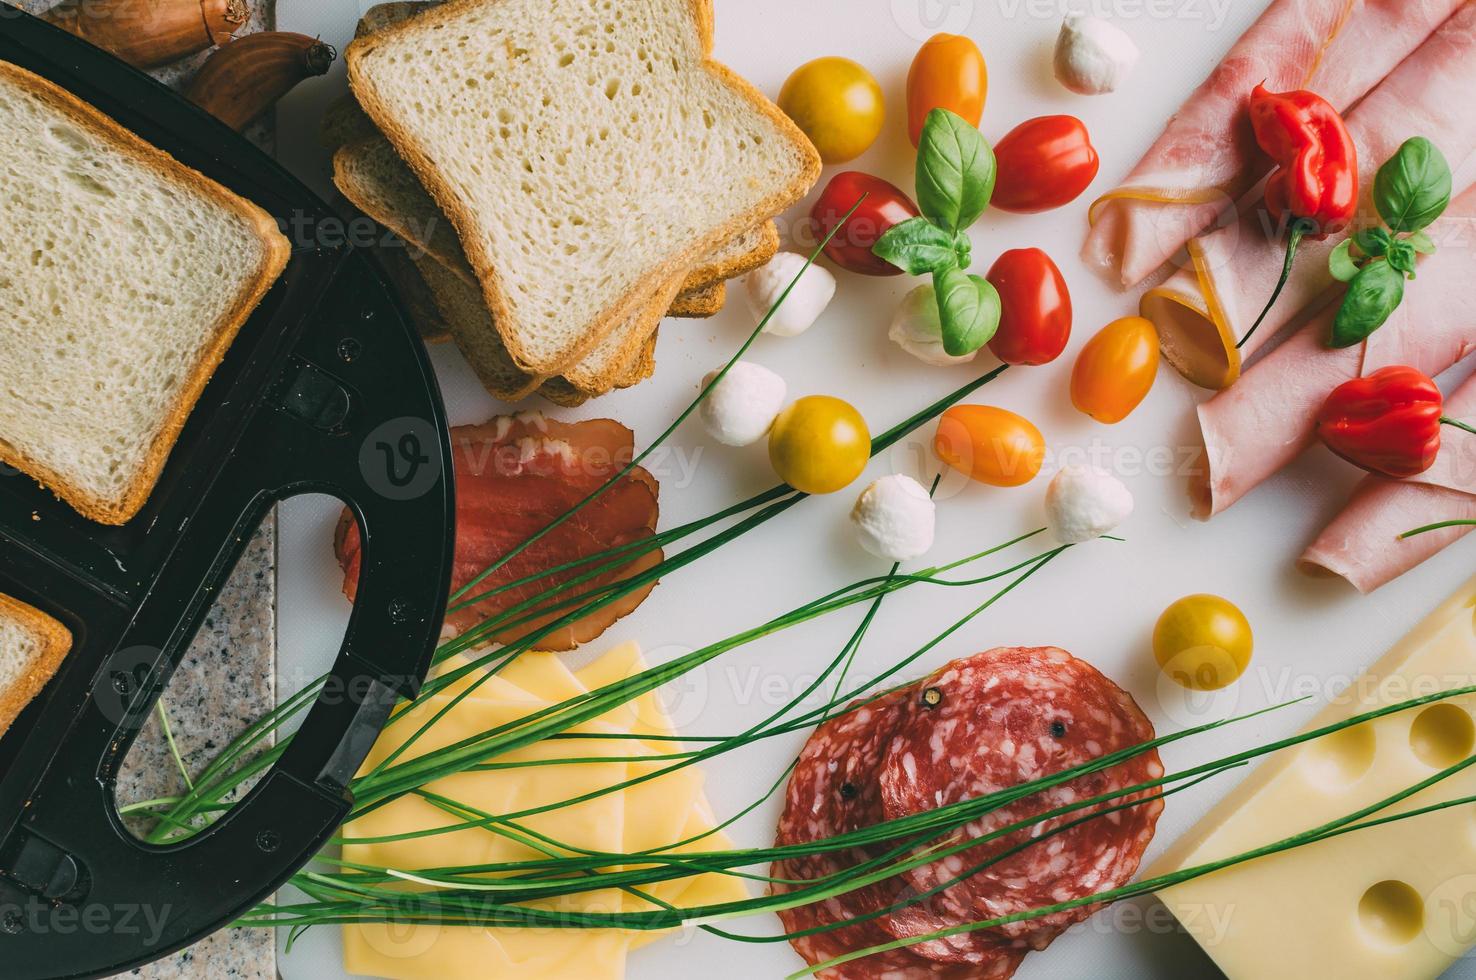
564 173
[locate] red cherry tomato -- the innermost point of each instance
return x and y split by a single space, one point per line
884 207
1043 163
1035 323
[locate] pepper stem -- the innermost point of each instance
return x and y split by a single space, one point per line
1457 423
1299 229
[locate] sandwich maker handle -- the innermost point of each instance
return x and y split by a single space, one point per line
344 416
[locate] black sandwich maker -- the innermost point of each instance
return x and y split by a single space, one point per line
328 390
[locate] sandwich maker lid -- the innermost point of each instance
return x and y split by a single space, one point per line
327 389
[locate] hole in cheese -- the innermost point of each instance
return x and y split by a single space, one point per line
1391 913
1336 760
1442 735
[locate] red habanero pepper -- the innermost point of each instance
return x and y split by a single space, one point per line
1387 423
1315 185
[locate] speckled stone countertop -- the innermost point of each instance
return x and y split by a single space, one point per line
226 681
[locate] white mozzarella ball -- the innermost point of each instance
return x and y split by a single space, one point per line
1083 503
742 408
895 518
804 304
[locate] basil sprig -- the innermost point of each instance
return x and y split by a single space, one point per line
1412 189
955 181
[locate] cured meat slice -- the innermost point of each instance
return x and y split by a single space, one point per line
995 721
1207 157
833 791
1266 420
515 475
1362 544
1203 311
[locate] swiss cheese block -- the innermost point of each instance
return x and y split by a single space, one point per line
1392 901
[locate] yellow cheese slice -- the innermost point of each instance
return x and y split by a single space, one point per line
534 675
598 824
644 715
653 814
1391 901
691 893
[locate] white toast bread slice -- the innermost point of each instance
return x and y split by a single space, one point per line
32 648
108 339
585 151
465 314
345 122
374 175
368 171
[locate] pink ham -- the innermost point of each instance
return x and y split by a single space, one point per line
1238 265
1363 543
1207 158
1265 421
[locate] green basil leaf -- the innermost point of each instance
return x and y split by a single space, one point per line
1341 264
1373 296
917 247
1373 242
1421 243
1402 257
1413 187
955 171
969 309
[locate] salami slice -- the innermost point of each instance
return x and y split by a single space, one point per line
994 721
834 791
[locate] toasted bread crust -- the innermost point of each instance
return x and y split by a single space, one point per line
674 265
716 270
56 643
702 303
276 251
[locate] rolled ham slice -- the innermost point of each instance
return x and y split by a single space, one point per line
1207 157
1202 311
1265 421
1363 543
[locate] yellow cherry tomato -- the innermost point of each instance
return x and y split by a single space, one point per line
1203 642
819 444
990 445
948 73
838 104
1115 370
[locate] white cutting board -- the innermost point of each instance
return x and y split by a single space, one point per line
1100 601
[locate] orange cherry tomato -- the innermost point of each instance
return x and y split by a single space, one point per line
1115 370
948 73
990 445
